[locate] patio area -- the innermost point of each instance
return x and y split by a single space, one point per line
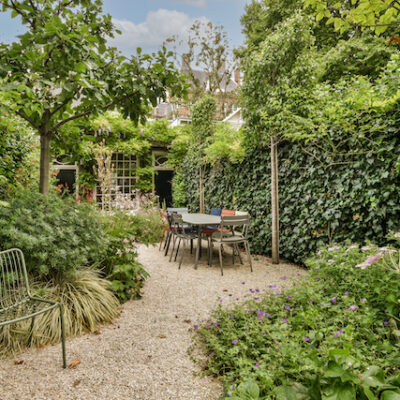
144 353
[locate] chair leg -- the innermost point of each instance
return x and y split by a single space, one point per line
238 252
211 253
177 249
168 244
233 254
220 258
173 248
162 238
183 252
63 337
246 244
30 337
191 246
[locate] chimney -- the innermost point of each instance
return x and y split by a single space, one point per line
236 76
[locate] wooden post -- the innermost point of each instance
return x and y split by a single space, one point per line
274 200
202 189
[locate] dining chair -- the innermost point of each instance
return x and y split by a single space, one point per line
170 212
182 235
234 239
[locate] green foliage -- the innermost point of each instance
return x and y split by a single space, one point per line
366 55
332 335
378 16
56 235
178 190
347 190
16 144
226 143
124 231
203 116
87 301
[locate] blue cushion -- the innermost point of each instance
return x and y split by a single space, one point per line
216 211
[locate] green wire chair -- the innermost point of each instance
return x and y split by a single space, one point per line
16 301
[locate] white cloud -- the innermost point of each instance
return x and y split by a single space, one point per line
150 34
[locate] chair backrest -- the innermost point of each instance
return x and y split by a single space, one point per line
164 217
241 213
233 221
215 211
14 287
176 221
227 212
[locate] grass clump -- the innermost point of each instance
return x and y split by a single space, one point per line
87 301
332 335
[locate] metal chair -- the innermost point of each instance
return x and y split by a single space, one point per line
180 233
170 212
234 239
16 301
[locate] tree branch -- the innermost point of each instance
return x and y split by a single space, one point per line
26 118
23 15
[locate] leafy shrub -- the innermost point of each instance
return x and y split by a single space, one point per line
333 335
121 266
56 235
87 303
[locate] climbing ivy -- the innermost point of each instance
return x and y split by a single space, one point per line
351 193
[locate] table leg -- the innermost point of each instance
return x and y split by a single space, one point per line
198 250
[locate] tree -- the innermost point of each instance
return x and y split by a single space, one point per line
208 50
275 94
378 16
203 125
61 69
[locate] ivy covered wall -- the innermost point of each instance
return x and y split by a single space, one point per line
350 191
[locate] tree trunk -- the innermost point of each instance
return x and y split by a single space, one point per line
274 200
44 163
202 189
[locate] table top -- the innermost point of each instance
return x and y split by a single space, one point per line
201 219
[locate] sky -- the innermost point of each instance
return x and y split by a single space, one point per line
147 23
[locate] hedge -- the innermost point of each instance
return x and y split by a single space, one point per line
351 194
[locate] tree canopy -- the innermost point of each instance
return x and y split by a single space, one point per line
62 69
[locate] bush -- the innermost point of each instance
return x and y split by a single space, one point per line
334 335
56 235
87 303
124 231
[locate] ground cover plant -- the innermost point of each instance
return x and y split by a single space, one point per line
332 335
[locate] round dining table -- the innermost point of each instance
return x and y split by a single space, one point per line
200 220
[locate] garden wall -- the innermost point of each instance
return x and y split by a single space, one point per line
349 192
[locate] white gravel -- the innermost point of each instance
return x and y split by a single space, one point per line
144 354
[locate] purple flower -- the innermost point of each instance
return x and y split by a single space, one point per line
235 341
336 335
363 300
333 299
287 307
249 310
237 298
231 317
346 293
307 339
299 274
195 326
257 290
353 307
385 323
312 299
230 294
283 320
341 331
316 267
277 293
220 301
272 286
257 365
322 303
289 297
208 326
243 283
347 310
256 298
283 277
215 323
268 315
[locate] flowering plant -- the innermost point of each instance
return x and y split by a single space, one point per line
333 334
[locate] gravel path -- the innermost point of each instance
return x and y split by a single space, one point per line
144 354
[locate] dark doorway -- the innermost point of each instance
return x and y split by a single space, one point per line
66 178
163 186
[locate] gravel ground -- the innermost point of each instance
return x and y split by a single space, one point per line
144 354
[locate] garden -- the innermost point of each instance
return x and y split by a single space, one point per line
313 169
